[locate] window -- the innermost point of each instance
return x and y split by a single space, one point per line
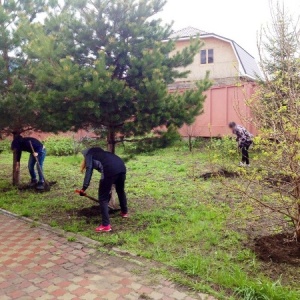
210 56
203 57
207 56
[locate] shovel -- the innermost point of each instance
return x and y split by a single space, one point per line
87 196
96 200
46 183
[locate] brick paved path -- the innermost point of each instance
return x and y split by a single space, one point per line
36 263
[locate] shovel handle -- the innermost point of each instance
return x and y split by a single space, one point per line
78 192
95 200
85 195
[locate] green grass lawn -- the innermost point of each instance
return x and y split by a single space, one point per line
175 218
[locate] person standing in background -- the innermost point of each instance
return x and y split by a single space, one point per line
244 139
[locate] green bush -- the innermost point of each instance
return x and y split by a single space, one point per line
62 146
4 145
224 149
88 142
151 143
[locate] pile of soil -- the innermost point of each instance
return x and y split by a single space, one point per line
219 173
94 211
278 248
88 212
278 180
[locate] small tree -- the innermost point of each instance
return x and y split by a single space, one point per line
275 183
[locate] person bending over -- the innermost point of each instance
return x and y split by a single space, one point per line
244 139
20 144
113 171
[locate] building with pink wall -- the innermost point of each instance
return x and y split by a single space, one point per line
222 105
233 72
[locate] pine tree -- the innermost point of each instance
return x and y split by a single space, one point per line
118 67
19 109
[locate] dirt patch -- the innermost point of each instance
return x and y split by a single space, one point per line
219 173
25 187
94 211
278 180
278 248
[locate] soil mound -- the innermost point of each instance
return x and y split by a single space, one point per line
278 248
219 173
94 211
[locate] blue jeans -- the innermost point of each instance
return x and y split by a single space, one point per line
31 164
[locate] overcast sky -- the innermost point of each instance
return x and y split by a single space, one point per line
239 20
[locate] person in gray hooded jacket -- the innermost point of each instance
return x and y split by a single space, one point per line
244 139
113 171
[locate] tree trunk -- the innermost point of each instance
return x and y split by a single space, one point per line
111 142
297 232
16 171
190 143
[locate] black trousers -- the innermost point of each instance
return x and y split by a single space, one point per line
105 186
245 154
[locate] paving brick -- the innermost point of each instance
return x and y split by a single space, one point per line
81 281
123 291
38 264
24 285
156 296
110 296
46 297
30 289
16 294
51 288
72 287
59 292
178 295
44 284
145 290
125 281
64 283
66 296
80 292
89 296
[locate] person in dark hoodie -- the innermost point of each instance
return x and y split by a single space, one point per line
20 144
113 171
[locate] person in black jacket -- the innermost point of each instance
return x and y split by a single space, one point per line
20 144
113 171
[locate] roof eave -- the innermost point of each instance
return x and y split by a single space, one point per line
181 39
249 76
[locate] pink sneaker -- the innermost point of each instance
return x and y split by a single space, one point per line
124 215
103 228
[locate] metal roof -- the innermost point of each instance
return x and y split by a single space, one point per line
187 32
247 61
247 64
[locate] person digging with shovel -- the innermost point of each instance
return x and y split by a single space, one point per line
37 153
244 139
113 171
